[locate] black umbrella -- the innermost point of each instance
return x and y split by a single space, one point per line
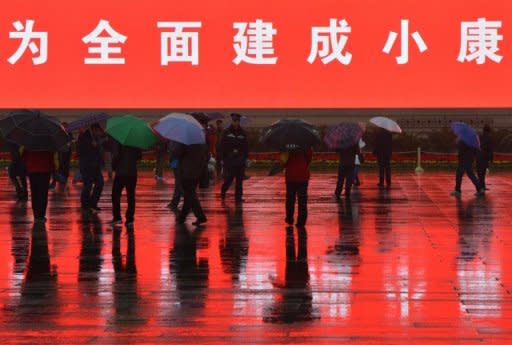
291 135
34 130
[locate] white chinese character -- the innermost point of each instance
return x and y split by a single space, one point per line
179 46
480 40
104 41
404 57
27 41
254 45
325 38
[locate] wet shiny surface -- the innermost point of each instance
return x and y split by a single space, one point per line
409 265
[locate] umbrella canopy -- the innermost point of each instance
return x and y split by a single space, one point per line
200 117
87 120
215 116
291 135
343 135
466 133
386 123
34 130
131 131
181 128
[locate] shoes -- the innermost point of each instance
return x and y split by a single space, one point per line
455 193
200 221
116 222
480 192
172 206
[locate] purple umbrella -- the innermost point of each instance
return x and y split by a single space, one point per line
343 135
87 120
466 133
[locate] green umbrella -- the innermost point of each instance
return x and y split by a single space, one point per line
131 131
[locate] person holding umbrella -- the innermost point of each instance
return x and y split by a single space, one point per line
90 163
40 136
124 164
295 139
485 155
468 144
189 156
131 134
346 170
234 154
345 138
383 151
192 160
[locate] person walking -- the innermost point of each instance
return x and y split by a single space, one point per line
176 150
234 153
193 159
383 151
358 161
18 173
346 170
124 164
485 155
90 162
39 165
297 175
466 157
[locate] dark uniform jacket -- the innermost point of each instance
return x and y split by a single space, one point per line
234 147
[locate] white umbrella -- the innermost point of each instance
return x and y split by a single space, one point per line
181 128
386 123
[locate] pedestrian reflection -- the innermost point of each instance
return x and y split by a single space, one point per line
350 231
295 302
39 290
126 297
234 246
478 284
384 222
475 227
189 271
20 238
91 260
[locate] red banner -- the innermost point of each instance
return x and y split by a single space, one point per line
255 54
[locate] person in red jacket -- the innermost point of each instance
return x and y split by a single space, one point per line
297 178
39 165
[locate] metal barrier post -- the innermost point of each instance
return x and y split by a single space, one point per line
419 169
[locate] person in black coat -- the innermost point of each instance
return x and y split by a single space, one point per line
466 157
234 154
124 163
346 170
192 161
485 155
90 162
175 151
383 150
18 173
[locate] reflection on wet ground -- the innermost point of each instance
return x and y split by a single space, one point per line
408 265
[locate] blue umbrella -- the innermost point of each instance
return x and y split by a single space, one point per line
343 135
181 128
87 121
466 133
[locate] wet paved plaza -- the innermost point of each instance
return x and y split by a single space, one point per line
408 265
